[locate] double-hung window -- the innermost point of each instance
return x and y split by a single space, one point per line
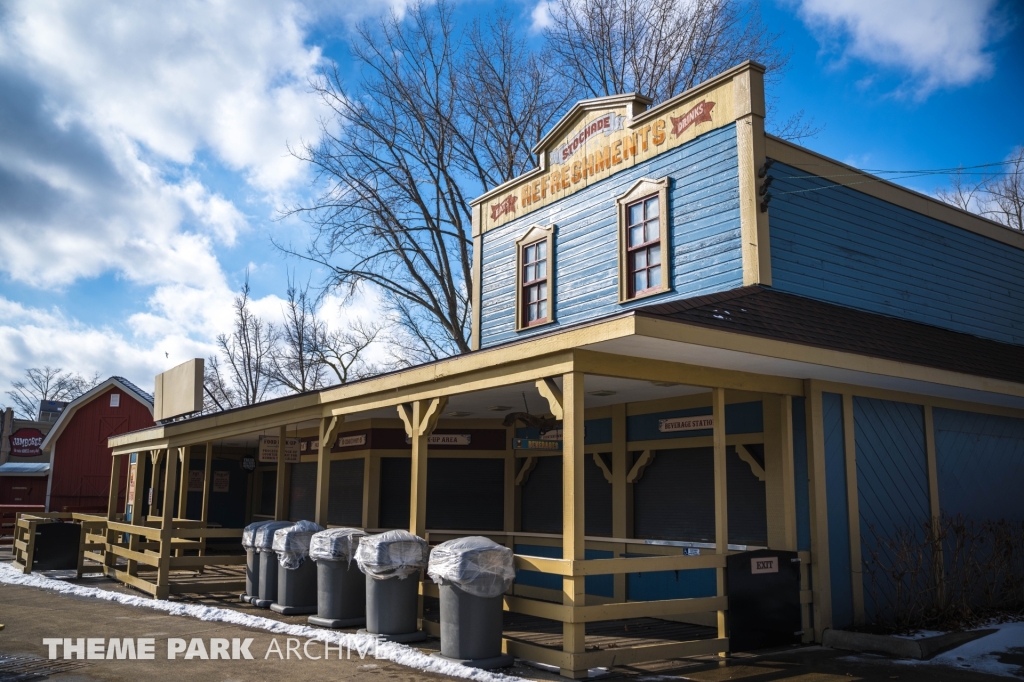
643 240
643 250
535 283
535 277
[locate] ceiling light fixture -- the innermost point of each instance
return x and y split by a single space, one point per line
601 393
664 384
457 414
499 408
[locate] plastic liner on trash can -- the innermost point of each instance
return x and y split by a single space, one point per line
292 543
263 543
394 554
341 587
252 561
472 573
391 561
296 583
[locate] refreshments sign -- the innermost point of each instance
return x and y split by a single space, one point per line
699 423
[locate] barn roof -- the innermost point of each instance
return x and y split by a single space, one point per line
100 388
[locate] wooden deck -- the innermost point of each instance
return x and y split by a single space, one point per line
601 636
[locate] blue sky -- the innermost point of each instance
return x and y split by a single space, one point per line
143 154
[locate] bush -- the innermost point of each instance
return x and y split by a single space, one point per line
954 575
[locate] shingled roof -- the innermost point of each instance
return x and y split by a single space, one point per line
763 312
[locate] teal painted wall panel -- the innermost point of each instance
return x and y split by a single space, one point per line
980 465
892 485
704 239
842 246
838 511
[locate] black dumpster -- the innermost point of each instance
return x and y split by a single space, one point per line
764 599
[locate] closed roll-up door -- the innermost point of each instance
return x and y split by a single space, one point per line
268 492
302 492
597 502
465 494
395 476
542 498
748 514
345 497
675 498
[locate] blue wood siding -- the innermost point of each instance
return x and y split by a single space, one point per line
980 465
838 511
704 217
845 247
892 485
599 585
801 474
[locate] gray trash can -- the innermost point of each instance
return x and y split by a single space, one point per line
392 562
473 573
296 575
341 587
266 589
252 561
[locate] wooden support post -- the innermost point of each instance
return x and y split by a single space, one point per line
186 465
788 472
721 497
138 507
163 580
419 419
109 558
207 484
621 509
820 577
328 435
280 513
573 544
155 458
853 511
510 507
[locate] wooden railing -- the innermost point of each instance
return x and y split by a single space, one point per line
142 544
9 519
546 603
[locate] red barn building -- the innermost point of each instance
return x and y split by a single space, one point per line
79 457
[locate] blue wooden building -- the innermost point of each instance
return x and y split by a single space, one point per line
722 341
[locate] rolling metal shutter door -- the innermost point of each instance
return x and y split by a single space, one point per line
597 499
395 477
465 494
302 492
675 498
268 492
345 493
542 498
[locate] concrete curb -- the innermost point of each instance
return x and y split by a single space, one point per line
918 649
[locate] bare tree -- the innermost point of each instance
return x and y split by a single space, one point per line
47 383
295 363
510 97
657 47
342 351
997 194
217 392
247 352
1006 192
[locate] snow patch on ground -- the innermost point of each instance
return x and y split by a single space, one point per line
390 651
981 655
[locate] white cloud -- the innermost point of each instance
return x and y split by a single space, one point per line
115 120
540 17
939 43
